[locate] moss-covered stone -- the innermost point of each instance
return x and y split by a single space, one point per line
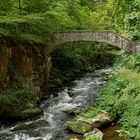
17 114
30 125
95 134
78 126
29 113
74 111
100 120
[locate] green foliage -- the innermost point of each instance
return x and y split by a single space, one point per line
130 62
34 20
72 59
15 100
37 19
66 61
92 138
43 16
24 126
95 17
126 15
90 112
5 7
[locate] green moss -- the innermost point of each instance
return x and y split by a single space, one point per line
29 113
30 125
18 103
92 138
71 60
78 126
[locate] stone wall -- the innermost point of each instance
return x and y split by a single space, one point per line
23 65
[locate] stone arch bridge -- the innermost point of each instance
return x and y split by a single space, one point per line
105 36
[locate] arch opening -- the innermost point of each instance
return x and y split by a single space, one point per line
71 59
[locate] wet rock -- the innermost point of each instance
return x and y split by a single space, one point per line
73 111
58 82
94 134
82 126
16 114
78 126
100 120
75 139
31 125
30 112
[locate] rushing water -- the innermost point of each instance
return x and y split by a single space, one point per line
81 92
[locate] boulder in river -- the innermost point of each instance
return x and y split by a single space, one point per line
100 120
82 126
95 134
27 126
78 126
73 111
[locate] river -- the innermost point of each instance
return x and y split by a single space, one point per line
77 94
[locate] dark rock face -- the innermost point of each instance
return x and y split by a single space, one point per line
24 65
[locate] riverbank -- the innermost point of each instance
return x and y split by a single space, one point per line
120 97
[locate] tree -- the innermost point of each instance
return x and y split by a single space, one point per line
5 6
126 16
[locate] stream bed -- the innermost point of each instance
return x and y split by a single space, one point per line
50 125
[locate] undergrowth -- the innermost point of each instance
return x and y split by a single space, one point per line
72 59
16 100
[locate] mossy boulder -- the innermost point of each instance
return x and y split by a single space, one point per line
31 125
73 111
95 134
21 114
78 126
30 112
100 120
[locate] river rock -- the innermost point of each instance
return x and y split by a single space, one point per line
30 112
75 139
73 111
27 126
94 134
82 126
58 82
100 120
78 126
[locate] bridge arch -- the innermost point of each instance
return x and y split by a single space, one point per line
103 36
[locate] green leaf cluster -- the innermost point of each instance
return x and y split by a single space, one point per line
34 20
126 17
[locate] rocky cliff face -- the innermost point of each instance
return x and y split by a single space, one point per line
23 65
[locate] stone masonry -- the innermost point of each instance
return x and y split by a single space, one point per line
104 36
